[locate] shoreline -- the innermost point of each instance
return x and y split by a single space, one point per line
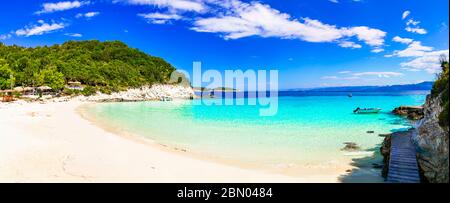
288 170
52 142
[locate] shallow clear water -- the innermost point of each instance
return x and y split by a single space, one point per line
308 129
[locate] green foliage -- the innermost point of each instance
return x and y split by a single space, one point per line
441 87
5 75
108 66
88 91
53 78
179 78
67 91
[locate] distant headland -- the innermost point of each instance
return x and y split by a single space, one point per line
423 86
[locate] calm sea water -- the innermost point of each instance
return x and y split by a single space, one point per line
309 128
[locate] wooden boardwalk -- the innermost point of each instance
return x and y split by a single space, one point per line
403 166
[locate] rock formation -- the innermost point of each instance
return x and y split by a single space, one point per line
411 112
351 146
385 151
432 143
145 93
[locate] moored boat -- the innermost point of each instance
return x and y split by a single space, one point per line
366 110
164 98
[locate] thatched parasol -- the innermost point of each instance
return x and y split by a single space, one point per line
44 88
23 89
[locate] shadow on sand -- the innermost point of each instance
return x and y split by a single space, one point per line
367 169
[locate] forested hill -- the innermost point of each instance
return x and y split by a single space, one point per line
107 66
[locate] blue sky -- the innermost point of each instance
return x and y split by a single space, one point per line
313 43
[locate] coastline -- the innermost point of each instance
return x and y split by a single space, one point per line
53 143
328 173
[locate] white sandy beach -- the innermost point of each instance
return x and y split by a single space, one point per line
53 143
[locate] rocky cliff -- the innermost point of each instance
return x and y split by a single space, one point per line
145 93
432 142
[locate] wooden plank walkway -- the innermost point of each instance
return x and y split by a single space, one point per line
403 166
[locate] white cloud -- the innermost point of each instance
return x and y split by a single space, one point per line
5 36
379 74
328 77
91 14
412 22
348 75
87 15
61 6
184 5
350 78
74 34
405 14
339 78
412 25
377 50
424 58
160 18
334 1
41 29
428 62
347 44
402 40
414 49
416 30
234 19
370 36
257 19
443 27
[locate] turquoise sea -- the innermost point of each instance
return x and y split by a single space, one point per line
309 128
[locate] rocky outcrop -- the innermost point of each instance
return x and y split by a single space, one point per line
350 146
385 151
432 143
145 93
411 112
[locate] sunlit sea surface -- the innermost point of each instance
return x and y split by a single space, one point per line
309 128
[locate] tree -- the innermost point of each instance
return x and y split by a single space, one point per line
6 75
109 66
53 78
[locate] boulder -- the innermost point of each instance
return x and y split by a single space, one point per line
411 112
351 146
385 151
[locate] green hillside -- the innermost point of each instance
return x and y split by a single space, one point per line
105 66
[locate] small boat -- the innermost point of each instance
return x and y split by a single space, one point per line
211 94
165 99
366 110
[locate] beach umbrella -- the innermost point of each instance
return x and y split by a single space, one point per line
19 89
44 88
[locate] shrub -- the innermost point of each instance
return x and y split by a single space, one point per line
440 87
67 91
88 91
